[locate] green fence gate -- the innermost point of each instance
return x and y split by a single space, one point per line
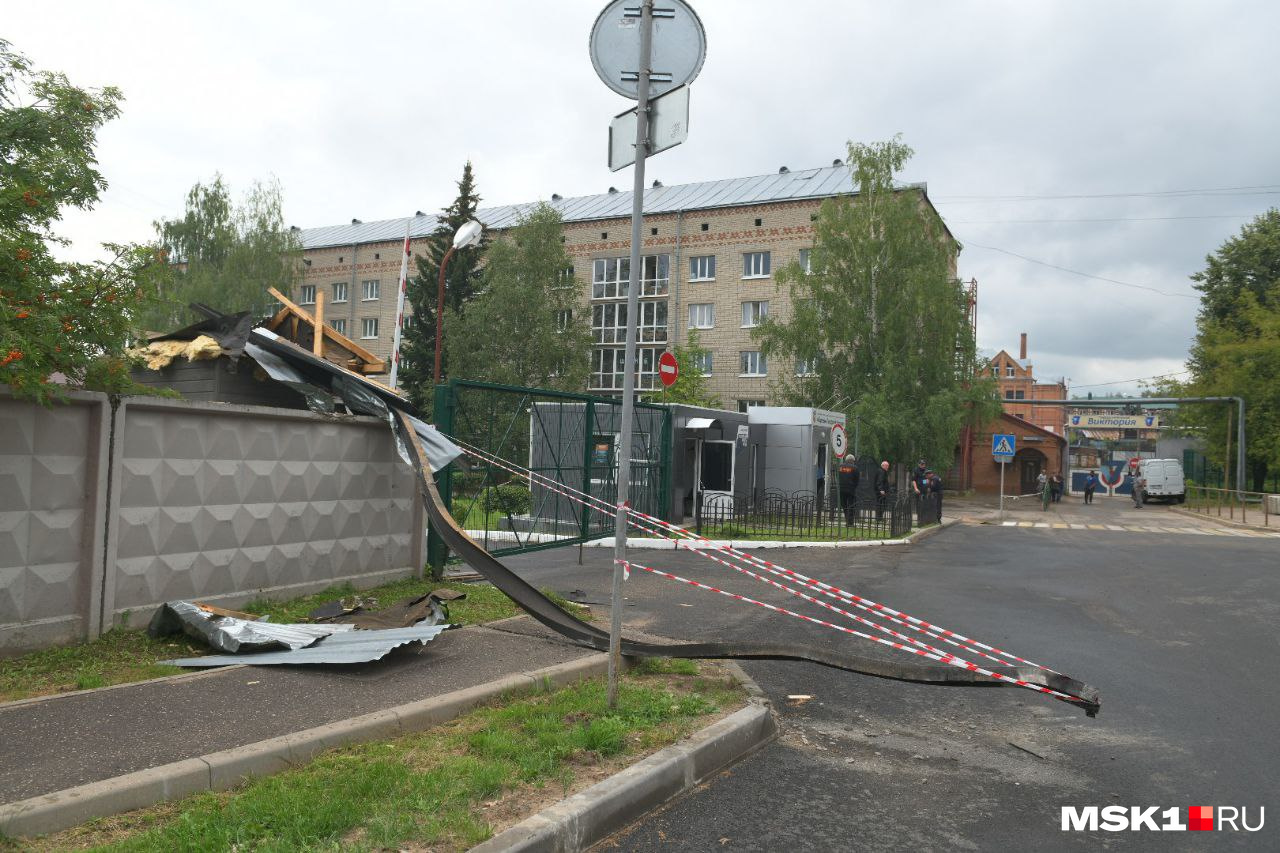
568 438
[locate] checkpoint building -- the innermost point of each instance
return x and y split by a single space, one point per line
709 256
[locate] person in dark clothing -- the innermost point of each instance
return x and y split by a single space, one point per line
919 485
1090 485
1055 487
935 494
849 477
882 489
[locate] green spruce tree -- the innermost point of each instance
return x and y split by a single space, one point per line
462 279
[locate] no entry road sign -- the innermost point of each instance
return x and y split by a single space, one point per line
668 370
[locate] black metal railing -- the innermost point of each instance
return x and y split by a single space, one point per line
800 516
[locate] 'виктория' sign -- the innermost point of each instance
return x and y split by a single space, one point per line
1115 421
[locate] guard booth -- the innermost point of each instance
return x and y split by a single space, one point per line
718 459
799 440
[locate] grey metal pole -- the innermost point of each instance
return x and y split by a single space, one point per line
629 360
1240 459
1002 464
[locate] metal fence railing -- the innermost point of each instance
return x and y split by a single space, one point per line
566 438
1233 505
799 516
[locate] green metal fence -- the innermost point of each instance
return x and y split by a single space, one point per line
567 438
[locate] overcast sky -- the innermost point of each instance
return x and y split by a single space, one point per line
1122 140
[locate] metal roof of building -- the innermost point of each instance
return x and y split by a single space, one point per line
731 192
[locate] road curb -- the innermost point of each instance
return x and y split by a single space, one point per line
224 769
1213 519
592 815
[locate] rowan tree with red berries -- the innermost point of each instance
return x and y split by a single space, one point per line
60 321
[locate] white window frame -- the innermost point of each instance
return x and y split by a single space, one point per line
339 291
1009 371
754 312
752 363
564 317
743 405
611 277
609 322
339 325
806 261
757 264
365 328
566 279
702 315
806 366
606 368
307 294
704 361
375 289
702 268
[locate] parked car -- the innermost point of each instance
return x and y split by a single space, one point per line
1164 479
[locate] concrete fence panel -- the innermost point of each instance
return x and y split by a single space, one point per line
227 503
53 472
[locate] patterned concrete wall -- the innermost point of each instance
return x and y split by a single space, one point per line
227 503
53 466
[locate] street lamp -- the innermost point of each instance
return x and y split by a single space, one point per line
468 235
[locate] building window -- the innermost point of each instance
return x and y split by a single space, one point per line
406 321
1008 394
563 317
370 290
752 363
753 313
702 268
369 327
806 366
702 362
308 296
806 260
1008 370
606 368
1019 395
609 323
339 326
566 278
702 315
755 265
339 291
610 277
743 405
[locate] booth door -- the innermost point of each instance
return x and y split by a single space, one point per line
717 477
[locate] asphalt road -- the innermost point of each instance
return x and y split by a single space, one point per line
1179 633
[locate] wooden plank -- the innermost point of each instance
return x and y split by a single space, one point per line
338 338
317 339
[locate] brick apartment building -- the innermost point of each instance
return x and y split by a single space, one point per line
1016 380
710 251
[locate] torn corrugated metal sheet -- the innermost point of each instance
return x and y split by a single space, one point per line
229 634
346 647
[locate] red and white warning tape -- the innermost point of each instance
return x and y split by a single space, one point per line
664 528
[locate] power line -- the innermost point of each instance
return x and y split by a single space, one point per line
1084 274
1256 189
1127 381
1099 219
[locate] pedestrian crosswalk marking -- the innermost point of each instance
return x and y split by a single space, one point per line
1143 528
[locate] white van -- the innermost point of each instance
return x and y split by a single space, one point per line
1164 479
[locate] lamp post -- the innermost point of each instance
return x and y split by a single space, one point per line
468 235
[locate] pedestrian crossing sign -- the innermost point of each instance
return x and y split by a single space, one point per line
1003 446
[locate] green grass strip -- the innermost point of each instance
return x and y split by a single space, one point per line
428 788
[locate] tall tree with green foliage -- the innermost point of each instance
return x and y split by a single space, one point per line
692 387
225 254
71 321
527 325
461 281
1237 348
879 326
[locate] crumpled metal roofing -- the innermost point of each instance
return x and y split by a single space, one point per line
345 647
730 192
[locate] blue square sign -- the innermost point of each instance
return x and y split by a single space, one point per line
1003 446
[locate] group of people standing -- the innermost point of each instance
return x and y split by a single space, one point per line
1050 487
849 479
